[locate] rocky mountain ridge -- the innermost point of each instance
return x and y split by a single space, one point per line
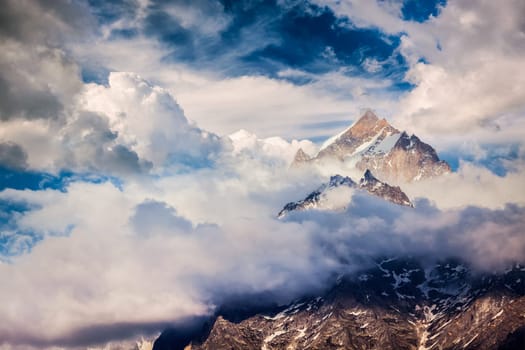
332 195
396 304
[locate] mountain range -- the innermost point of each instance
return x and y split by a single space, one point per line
394 302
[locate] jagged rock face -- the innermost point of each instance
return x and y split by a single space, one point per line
384 190
332 195
409 160
372 143
399 304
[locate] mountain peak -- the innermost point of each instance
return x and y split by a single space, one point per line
393 155
369 118
334 196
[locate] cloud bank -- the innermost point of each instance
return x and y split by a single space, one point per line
157 251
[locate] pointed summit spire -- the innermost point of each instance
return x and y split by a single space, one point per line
369 115
367 121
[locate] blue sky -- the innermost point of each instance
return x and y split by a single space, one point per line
139 134
264 37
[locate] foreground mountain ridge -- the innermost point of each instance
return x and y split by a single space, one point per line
372 143
398 304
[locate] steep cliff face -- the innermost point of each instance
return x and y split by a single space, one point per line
372 143
409 160
398 304
383 190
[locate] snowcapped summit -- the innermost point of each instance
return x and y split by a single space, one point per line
337 194
367 130
372 143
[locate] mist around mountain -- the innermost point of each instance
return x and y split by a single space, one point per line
408 300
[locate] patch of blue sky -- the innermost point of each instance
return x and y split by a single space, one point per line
185 163
330 124
316 43
319 139
258 38
421 10
16 240
297 79
95 74
34 180
496 158
114 10
12 240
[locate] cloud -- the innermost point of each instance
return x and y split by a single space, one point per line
163 249
480 93
12 156
43 21
472 185
276 148
151 217
36 81
126 127
148 120
37 77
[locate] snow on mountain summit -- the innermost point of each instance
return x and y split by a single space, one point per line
372 143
